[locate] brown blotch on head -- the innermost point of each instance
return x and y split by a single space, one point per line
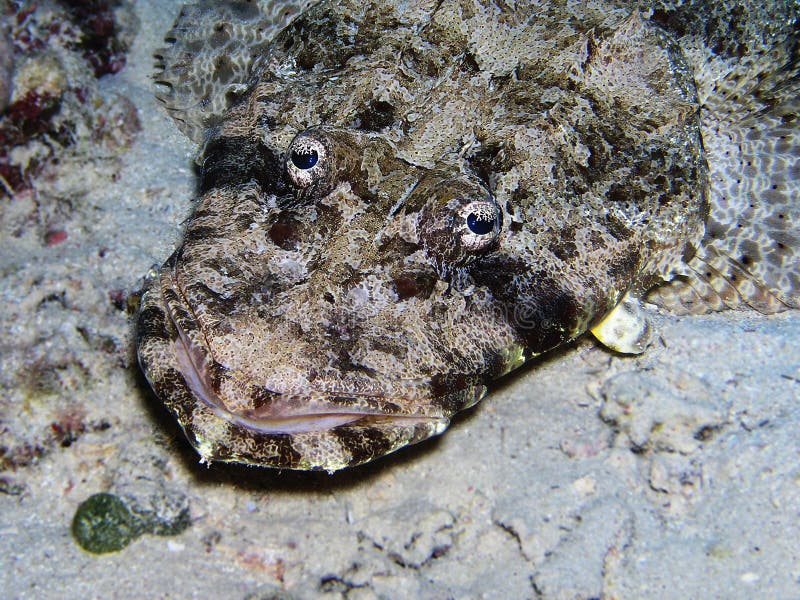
220 36
469 64
377 115
200 233
625 266
597 240
223 69
563 249
483 162
217 302
450 392
617 228
283 232
410 285
540 310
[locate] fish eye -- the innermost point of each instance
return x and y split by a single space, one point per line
480 224
459 219
305 160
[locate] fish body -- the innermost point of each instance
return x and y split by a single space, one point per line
402 201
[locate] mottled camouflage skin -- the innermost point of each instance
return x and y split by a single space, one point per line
318 318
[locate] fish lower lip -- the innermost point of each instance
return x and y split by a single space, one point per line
319 421
190 359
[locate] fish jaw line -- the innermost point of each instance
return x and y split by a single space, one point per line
324 416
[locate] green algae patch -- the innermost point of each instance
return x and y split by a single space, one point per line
104 524
107 523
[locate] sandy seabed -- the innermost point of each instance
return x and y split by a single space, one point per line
675 474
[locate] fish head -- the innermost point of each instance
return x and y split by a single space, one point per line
338 310
370 250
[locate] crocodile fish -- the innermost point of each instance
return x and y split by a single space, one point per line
402 201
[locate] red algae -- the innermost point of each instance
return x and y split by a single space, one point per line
24 120
52 104
99 43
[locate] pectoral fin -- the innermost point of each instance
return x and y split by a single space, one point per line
750 255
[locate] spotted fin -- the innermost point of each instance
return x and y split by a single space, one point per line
205 64
750 255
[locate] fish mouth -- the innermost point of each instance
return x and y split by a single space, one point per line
309 412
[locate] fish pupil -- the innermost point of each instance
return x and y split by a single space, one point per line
479 224
305 159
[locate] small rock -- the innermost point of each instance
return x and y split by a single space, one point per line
585 486
55 237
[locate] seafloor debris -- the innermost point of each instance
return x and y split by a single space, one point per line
62 136
54 53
